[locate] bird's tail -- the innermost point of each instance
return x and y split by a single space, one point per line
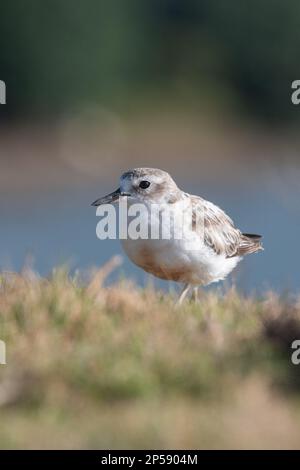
250 243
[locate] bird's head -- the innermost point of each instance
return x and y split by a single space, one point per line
144 185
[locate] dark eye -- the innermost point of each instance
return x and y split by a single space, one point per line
144 184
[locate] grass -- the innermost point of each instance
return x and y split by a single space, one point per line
90 366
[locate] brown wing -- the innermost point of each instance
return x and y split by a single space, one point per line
219 232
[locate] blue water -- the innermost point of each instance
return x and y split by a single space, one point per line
60 227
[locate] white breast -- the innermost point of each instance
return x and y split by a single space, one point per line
186 260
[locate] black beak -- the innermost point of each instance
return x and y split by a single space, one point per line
110 198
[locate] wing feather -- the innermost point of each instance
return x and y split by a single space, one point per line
219 231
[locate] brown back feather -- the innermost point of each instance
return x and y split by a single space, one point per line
219 231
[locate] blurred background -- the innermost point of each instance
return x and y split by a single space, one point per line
201 89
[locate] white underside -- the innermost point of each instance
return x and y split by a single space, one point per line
186 260
199 267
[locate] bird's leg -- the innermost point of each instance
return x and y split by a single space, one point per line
195 295
183 294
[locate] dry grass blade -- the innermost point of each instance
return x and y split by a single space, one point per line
81 358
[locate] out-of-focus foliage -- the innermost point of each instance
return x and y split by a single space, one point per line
119 367
58 54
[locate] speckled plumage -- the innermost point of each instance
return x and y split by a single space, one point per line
206 253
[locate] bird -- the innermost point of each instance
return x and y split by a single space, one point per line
208 248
